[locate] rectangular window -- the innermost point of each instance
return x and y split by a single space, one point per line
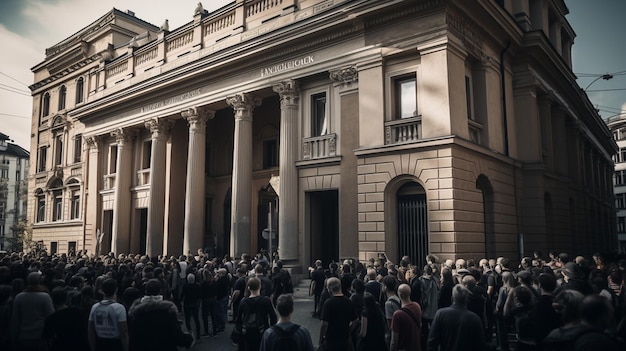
620 201
319 117
621 224
405 95
146 154
58 149
619 178
71 248
112 159
469 98
57 210
1 229
43 154
80 87
270 154
78 146
75 205
41 208
4 173
54 246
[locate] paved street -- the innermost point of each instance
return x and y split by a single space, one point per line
303 306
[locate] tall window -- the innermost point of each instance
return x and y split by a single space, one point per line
319 117
80 87
57 209
405 95
78 145
621 224
469 98
75 205
270 154
58 149
41 207
620 201
43 154
62 96
112 159
45 105
619 178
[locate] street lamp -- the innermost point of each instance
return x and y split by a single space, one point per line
605 76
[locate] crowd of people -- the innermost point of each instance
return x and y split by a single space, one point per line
133 302
556 303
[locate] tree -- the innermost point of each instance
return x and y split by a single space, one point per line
22 239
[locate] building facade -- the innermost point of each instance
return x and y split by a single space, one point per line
13 186
398 127
617 125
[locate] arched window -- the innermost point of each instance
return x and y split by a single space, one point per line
80 87
45 105
62 95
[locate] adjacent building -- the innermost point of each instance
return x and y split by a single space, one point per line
13 186
398 127
617 125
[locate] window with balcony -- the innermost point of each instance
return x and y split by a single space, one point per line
62 96
405 95
80 88
404 123
319 115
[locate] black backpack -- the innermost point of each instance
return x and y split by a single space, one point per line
253 323
286 341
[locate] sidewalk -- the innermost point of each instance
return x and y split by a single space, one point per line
303 306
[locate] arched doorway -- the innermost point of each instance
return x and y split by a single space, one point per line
412 222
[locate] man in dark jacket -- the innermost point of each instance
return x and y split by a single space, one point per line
154 323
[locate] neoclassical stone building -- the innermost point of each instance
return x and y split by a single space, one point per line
400 127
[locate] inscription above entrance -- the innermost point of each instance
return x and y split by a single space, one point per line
287 65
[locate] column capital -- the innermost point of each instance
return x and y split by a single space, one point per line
197 117
243 104
159 126
288 91
346 75
93 141
124 135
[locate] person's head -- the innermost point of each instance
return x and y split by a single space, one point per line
153 287
371 274
446 276
358 286
404 291
334 285
469 282
523 295
258 269
596 311
33 279
109 286
547 282
524 277
284 305
460 263
191 278
567 303
508 279
460 294
254 284
59 296
390 283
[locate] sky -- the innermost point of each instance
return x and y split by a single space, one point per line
28 27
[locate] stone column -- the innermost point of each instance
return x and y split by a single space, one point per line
243 104
90 205
288 187
120 236
194 193
159 128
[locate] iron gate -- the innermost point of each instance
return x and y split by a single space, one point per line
413 228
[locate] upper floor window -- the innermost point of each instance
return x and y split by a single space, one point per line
319 115
41 162
620 201
80 87
62 96
619 178
41 207
270 153
45 105
4 173
75 204
405 96
78 145
58 149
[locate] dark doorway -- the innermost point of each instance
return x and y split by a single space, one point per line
107 232
267 195
412 222
484 185
324 225
143 229
224 248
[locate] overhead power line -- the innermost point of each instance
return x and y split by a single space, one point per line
16 116
15 91
6 75
597 90
14 88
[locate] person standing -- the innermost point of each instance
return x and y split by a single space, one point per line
317 285
192 293
299 335
455 327
406 323
209 302
255 315
108 329
338 319
373 326
223 292
30 309
65 329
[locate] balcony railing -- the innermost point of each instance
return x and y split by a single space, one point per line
143 177
403 130
319 147
109 181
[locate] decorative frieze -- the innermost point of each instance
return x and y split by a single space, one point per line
345 75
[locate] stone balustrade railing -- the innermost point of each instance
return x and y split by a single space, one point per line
403 130
319 147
